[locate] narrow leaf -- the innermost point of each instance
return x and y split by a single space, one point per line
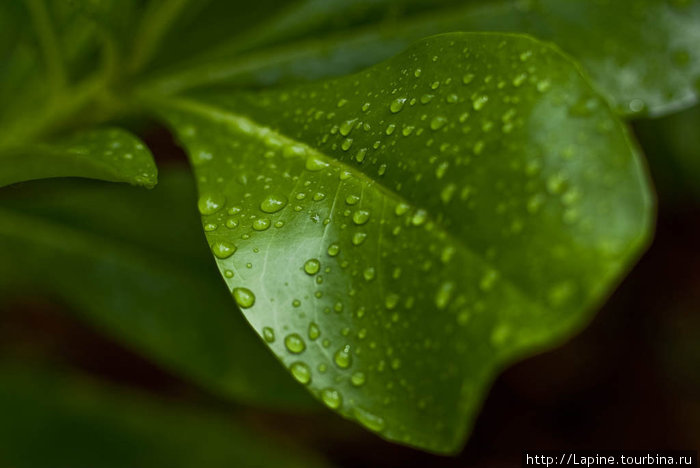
69 421
397 236
108 154
135 265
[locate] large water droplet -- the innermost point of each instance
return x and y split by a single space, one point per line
360 217
343 357
294 343
438 122
312 266
314 331
268 334
333 249
397 105
223 249
331 397
244 297
210 203
273 203
301 372
261 224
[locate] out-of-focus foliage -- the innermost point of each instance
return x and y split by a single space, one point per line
65 420
134 264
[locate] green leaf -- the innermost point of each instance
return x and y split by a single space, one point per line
135 265
70 421
108 154
672 146
399 235
642 56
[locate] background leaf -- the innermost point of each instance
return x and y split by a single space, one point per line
646 64
672 145
68 421
135 265
108 154
398 235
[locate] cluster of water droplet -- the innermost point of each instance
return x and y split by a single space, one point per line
373 233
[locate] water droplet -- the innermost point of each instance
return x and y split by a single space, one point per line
261 224
488 280
438 122
370 420
314 331
244 297
480 102
294 343
358 379
312 266
273 203
419 217
347 143
333 249
343 357
347 126
210 203
361 153
444 294
360 217
359 237
468 78
268 334
441 169
391 301
397 105
401 209
301 372
223 249
315 163
331 397
369 273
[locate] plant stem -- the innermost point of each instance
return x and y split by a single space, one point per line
49 44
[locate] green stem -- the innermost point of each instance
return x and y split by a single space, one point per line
49 44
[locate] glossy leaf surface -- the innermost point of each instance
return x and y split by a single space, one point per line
134 264
642 55
69 421
107 154
397 236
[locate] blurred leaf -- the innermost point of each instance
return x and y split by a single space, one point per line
135 265
68 421
398 235
672 145
642 55
108 154
57 59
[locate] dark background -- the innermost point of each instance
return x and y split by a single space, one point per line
630 380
